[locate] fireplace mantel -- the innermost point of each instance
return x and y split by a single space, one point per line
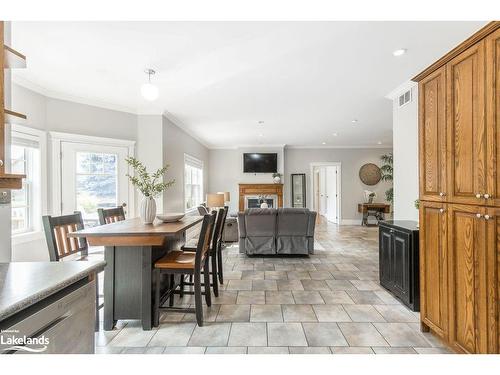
260 189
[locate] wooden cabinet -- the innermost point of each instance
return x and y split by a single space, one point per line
398 260
434 267
432 134
466 126
459 251
492 47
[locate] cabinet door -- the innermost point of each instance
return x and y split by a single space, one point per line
432 136
492 279
401 265
466 127
434 267
385 251
493 117
467 275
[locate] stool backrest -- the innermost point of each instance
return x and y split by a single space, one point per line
219 227
205 239
56 233
110 215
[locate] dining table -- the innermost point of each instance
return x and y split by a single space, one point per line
130 250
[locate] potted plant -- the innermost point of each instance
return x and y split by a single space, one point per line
277 178
150 185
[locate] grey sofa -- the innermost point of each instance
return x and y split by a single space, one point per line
267 231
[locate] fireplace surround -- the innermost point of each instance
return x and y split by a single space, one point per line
252 191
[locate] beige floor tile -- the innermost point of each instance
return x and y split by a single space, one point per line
366 285
364 297
226 350
309 350
331 313
225 297
263 285
266 313
211 334
320 275
298 313
298 275
362 334
340 285
246 297
324 334
307 297
276 275
396 314
239 285
394 350
279 298
248 334
363 313
252 275
433 351
315 285
132 337
336 297
286 334
268 350
234 313
184 350
400 334
289 285
351 350
176 334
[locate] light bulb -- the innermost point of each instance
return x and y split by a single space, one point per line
149 91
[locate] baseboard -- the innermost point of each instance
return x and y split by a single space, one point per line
350 222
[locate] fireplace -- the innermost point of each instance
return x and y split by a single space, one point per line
254 201
250 193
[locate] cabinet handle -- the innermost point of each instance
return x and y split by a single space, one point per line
442 194
488 217
1 163
478 216
442 210
478 195
486 196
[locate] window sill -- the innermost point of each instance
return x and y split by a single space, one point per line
21 238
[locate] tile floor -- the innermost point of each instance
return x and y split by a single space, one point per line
328 303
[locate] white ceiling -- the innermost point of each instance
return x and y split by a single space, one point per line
305 80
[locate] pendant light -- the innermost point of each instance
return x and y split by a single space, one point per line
148 90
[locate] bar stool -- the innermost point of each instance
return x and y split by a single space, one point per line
186 263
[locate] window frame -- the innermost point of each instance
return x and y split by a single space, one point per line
38 191
193 162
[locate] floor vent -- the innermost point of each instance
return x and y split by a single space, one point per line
404 98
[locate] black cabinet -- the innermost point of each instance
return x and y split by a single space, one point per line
398 260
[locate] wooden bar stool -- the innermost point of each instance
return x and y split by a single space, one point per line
215 253
60 246
186 263
110 215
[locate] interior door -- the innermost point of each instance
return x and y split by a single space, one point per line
92 177
331 194
322 191
466 127
432 136
434 267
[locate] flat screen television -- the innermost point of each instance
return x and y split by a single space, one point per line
260 163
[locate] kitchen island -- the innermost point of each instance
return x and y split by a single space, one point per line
48 307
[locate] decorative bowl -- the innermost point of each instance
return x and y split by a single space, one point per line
170 217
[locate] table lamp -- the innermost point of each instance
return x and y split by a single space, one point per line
227 196
215 200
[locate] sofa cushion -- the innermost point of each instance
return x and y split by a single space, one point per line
293 222
260 222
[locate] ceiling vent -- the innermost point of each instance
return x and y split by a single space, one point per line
404 98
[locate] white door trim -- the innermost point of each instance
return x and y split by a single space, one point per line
339 184
57 138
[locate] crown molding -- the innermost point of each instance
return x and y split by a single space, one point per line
27 84
300 147
174 120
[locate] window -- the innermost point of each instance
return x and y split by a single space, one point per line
26 202
193 182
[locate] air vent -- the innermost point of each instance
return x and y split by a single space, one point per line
405 98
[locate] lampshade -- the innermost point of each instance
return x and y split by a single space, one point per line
226 195
215 200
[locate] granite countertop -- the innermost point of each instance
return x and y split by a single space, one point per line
24 283
405 224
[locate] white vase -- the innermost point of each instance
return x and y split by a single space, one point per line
148 210
277 179
264 205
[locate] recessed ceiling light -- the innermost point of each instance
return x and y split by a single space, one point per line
335 134
399 52
261 122
261 135
354 121
379 142
323 143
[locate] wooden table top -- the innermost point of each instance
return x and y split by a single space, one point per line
133 232
363 207
135 227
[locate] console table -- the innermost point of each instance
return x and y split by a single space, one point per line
377 210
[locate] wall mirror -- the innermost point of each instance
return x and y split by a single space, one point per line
299 190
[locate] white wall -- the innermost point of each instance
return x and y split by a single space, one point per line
226 171
299 161
405 141
176 143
